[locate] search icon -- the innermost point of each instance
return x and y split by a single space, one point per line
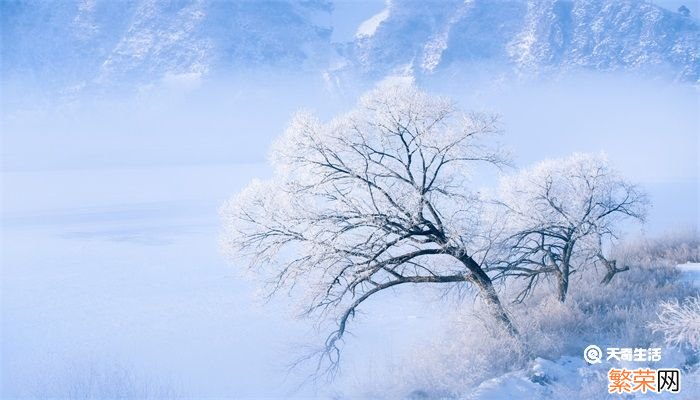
592 354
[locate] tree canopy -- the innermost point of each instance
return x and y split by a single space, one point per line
558 214
375 198
381 196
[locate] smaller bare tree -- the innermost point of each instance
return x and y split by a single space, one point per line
559 213
376 198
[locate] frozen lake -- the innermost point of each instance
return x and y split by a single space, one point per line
692 272
121 266
110 269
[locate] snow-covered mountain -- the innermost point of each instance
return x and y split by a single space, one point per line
77 43
530 36
108 41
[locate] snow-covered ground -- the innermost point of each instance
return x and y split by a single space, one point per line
570 377
567 378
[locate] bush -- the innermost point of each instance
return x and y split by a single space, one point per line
615 315
680 322
676 247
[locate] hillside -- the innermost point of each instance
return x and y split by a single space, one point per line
101 42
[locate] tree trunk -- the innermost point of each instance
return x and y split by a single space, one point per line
611 267
493 302
608 277
564 272
563 282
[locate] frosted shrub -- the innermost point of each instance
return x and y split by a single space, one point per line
680 322
469 354
618 314
672 248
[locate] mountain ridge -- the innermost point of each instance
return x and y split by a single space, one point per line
99 42
532 36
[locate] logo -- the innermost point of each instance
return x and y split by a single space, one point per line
623 380
593 354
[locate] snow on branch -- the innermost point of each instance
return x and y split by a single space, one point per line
374 198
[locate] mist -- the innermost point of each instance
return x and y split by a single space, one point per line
109 221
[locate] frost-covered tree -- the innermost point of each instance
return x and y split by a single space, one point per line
375 198
558 215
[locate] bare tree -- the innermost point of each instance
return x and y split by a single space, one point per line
375 198
558 215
